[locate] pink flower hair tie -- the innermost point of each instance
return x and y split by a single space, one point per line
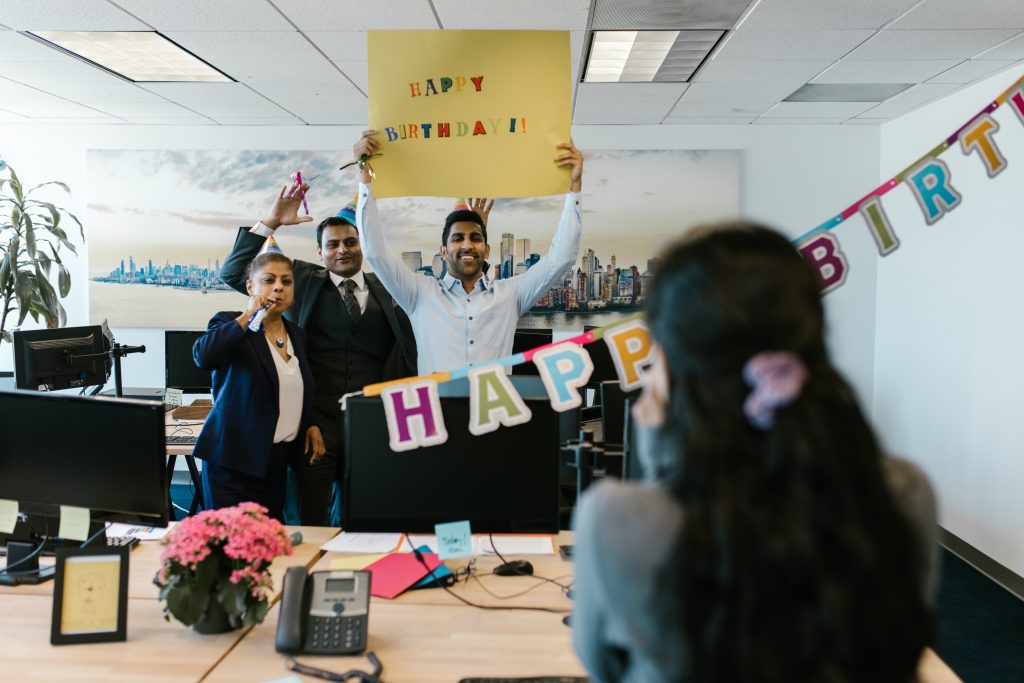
776 379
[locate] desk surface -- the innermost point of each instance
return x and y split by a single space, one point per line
422 636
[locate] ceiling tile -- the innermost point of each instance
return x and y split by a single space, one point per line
620 119
340 46
667 14
81 120
204 15
758 71
898 45
263 55
259 121
864 122
738 93
11 117
114 91
939 14
701 109
700 121
356 15
316 103
971 70
67 15
172 121
777 46
52 108
15 47
162 109
783 121
529 14
71 71
217 99
357 72
1011 49
16 92
814 110
622 109
656 94
811 14
910 100
903 71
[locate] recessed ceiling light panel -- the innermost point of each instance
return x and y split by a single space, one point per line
138 56
648 56
847 92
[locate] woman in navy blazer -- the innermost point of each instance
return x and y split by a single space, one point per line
263 395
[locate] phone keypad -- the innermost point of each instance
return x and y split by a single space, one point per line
337 634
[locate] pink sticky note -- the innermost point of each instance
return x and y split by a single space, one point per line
394 573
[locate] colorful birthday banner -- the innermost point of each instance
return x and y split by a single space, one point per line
469 113
412 405
929 181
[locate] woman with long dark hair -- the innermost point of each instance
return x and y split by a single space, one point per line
778 543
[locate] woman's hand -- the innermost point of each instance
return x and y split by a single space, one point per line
315 444
256 302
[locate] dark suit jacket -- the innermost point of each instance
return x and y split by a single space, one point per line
309 280
239 432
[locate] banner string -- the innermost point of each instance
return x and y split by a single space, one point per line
899 177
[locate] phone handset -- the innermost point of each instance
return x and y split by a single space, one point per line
292 618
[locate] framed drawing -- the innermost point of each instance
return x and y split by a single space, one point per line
90 598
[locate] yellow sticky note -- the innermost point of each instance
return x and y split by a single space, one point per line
355 561
74 523
91 594
8 515
469 113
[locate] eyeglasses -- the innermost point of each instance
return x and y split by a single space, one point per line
463 573
363 676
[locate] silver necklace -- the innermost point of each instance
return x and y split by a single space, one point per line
278 340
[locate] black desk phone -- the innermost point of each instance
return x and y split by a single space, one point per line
323 613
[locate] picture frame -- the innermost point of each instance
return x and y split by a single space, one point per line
90 596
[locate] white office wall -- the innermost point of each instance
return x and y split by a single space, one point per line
793 177
949 361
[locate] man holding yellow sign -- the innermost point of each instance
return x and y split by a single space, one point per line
464 318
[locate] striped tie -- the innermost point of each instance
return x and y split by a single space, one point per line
351 304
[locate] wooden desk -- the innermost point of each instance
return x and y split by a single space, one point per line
184 428
145 560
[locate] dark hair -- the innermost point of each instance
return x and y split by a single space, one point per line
794 561
256 265
462 216
332 221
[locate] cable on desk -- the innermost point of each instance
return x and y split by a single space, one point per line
565 589
39 549
534 587
419 556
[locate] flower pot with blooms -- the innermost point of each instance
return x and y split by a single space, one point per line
214 573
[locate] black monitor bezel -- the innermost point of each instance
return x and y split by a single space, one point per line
167 365
22 338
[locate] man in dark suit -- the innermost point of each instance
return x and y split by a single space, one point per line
356 333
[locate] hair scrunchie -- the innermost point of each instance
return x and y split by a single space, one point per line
776 379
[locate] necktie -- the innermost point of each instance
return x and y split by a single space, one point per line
351 304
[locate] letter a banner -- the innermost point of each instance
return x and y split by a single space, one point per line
469 113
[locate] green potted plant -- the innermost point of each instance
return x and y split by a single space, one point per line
31 238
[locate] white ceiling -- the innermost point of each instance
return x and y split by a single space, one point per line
303 62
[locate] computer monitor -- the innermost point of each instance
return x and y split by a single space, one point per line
181 369
63 358
601 356
526 339
104 454
502 482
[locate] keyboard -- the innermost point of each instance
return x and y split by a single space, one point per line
122 541
182 440
530 679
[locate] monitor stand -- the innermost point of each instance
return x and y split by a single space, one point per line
29 571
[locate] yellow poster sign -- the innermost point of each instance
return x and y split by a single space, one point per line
469 113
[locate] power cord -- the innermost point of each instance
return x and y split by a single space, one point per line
419 556
565 588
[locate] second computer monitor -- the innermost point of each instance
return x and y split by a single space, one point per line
181 370
502 482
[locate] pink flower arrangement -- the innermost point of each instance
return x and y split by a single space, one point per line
221 556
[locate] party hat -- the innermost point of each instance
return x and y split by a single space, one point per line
461 204
349 212
271 247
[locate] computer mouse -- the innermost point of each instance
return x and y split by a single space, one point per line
514 568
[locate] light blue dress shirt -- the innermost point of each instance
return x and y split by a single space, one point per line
453 328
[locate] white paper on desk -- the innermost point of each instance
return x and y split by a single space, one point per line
429 540
143 533
515 545
349 542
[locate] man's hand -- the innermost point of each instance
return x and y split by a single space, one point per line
366 146
286 208
315 444
574 158
482 206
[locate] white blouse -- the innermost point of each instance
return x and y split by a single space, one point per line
289 397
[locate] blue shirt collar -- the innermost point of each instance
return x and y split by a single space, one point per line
450 281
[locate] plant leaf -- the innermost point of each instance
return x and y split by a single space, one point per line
232 597
52 182
206 573
256 613
63 280
24 290
16 186
5 271
187 604
30 236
